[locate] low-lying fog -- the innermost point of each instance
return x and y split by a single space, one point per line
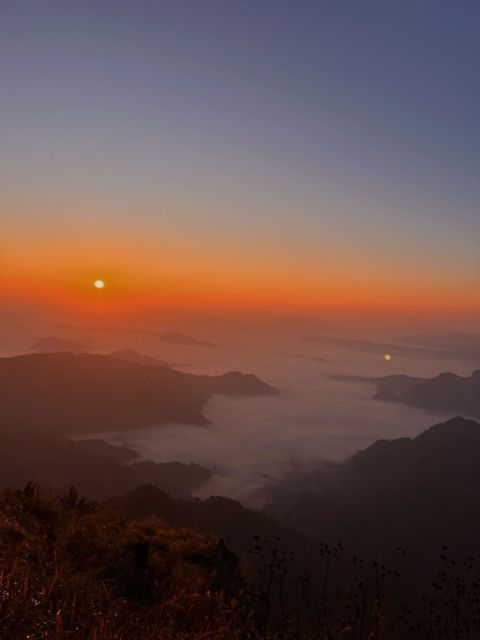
252 441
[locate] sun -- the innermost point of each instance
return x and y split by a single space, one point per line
99 284
387 357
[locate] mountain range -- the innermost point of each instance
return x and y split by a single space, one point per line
98 469
445 393
418 493
92 393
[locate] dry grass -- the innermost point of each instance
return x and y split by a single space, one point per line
70 570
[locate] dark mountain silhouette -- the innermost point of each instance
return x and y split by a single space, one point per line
420 493
98 447
185 341
216 516
395 383
446 393
233 383
139 489
53 345
95 467
81 393
133 356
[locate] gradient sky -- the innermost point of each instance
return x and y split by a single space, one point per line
241 154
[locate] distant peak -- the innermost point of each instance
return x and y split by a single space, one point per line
454 426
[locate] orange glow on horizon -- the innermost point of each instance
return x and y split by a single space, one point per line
222 294
138 278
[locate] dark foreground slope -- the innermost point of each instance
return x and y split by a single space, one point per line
217 516
72 571
81 393
420 493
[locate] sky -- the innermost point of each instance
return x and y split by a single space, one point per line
241 156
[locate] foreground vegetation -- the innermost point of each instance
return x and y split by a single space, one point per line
70 570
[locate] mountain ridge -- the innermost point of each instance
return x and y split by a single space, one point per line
95 393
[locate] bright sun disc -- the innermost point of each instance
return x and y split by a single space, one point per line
388 357
99 284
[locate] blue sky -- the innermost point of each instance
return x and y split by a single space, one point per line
341 129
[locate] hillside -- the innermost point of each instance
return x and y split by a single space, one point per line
88 393
445 393
420 493
395 383
217 516
71 570
97 468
